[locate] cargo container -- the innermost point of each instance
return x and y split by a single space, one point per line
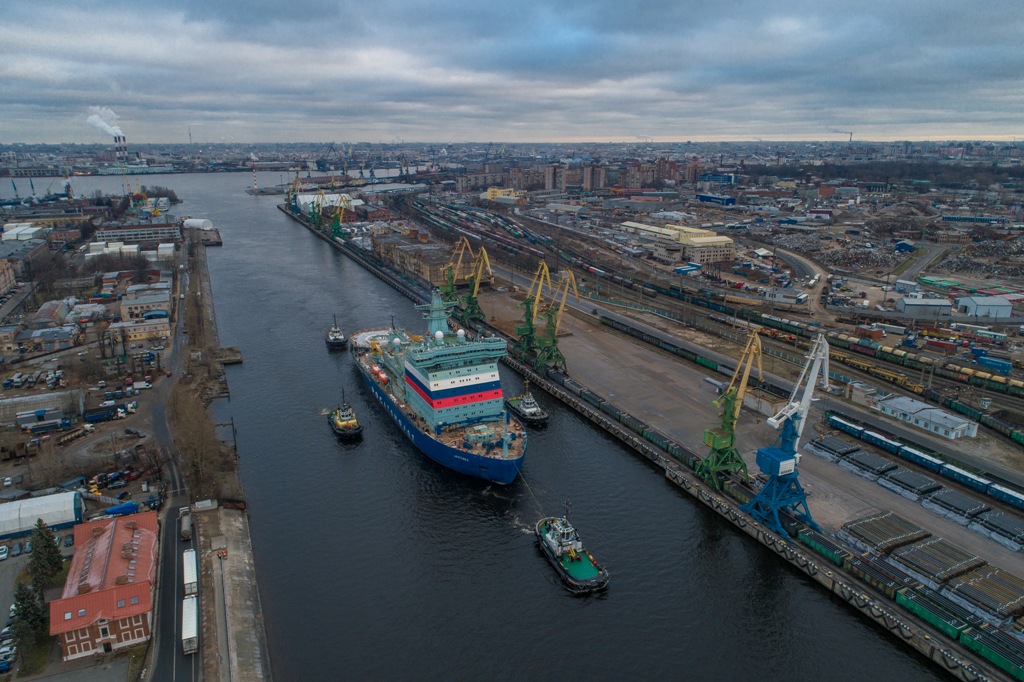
189 571
996 365
946 347
190 625
100 414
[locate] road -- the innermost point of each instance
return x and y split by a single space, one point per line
169 663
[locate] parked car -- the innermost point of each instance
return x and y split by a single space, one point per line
8 481
28 547
5 666
124 495
69 540
118 484
18 479
8 652
16 550
3 552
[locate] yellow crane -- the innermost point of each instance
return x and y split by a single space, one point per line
547 344
471 309
526 330
723 456
453 269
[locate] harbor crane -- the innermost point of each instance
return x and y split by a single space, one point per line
547 343
471 309
339 216
782 491
723 457
526 331
454 268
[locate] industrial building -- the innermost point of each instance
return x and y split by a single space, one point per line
698 245
925 308
785 295
62 510
138 330
139 232
927 417
991 307
136 308
107 603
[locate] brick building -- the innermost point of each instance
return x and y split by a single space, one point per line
107 602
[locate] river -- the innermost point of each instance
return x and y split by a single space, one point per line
374 563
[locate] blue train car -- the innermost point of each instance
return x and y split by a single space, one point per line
1006 495
917 457
881 441
967 478
845 426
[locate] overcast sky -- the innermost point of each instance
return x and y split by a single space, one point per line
531 70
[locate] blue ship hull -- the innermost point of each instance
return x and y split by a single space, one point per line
502 471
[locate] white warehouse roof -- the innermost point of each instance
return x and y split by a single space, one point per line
20 517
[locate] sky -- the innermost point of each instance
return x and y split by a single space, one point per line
526 71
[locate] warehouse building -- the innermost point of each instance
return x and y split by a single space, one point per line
927 417
991 307
925 308
62 510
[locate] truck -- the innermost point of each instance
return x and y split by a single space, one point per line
124 509
100 414
190 625
185 519
189 571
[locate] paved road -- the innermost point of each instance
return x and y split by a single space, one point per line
169 663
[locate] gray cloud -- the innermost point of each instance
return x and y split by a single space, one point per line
530 70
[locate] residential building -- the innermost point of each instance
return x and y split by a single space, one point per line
107 603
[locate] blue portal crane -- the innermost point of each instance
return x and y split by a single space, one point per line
782 492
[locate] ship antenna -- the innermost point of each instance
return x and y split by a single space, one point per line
392 322
568 508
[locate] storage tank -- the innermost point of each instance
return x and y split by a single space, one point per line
197 224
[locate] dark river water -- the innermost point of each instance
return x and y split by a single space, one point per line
374 563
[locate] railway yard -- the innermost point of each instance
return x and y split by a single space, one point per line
934 525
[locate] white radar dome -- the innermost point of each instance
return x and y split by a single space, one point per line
461 334
438 335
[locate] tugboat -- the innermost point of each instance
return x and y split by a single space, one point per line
343 421
526 408
577 567
335 339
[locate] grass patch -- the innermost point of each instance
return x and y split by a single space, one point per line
35 656
137 655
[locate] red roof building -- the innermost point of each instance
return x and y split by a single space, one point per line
108 597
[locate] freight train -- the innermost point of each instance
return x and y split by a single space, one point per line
929 462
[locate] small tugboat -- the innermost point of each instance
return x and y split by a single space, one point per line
343 421
335 339
526 408
574 564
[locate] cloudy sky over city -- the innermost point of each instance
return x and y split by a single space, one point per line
532 70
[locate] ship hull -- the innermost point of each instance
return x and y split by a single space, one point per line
335 345
502 471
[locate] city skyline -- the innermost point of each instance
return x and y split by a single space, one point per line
596 72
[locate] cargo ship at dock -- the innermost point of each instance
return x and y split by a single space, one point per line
444 392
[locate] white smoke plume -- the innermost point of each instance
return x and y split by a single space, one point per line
103 119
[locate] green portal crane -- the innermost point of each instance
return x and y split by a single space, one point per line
547 342
526 331
724 457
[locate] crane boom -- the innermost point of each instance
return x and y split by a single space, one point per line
800 401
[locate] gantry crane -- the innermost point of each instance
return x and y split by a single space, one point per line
526 331
547 343
724 457
782 492
471 309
